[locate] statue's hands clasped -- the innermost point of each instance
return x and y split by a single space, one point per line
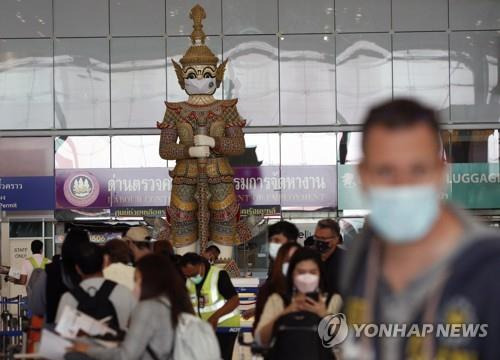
204 140
199 152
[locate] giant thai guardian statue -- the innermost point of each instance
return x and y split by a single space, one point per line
200 134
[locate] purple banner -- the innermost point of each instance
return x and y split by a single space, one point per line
292 187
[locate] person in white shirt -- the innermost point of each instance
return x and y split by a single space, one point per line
89 265
116 263
37 261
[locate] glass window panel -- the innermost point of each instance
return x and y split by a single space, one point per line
82 83
81 18
308 149
26 93
362 15
252 77
349 148
137 18
298 16
25 229
364 74
420 68
176 48
250 17
179 23
474 15
261 150
410 15
136 151
475 90
137 81
475 146
26 156
307 79
82 152
26 18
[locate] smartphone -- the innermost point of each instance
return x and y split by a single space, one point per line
313 295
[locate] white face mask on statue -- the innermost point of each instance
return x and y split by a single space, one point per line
205 86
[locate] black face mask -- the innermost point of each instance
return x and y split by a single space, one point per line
322 246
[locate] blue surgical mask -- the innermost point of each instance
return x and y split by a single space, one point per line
196 279
403 214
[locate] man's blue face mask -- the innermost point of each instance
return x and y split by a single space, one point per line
403 214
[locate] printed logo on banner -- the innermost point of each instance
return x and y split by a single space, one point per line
81 189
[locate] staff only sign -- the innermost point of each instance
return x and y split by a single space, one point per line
293 187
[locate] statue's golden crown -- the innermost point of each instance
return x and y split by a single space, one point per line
198 53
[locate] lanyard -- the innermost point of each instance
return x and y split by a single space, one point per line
373 271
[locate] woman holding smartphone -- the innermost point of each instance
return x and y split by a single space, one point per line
305 291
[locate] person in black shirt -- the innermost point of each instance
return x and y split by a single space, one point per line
327 239
196 269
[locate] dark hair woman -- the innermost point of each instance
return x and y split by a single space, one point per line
61 274
276 283
304 291
163 298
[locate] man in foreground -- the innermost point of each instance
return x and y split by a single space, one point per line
420 260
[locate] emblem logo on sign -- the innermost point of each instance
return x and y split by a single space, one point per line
81 189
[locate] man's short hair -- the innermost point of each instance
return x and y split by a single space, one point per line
332 225
90 258
213 248
401 114
289 230
191 259
36 246
118 251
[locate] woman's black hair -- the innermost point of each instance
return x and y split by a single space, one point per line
303 254
160 277
69 253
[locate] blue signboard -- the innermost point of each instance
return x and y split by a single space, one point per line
27 193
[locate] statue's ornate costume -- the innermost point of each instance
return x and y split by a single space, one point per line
200 134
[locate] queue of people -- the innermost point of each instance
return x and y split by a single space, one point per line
418 261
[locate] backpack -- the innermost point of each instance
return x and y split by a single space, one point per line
194 339
36 274
295 337
99 306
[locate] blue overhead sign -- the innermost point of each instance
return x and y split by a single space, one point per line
27 193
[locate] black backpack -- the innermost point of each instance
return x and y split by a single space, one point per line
99 306
295 336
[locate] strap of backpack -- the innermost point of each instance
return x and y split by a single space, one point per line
105 290
80 295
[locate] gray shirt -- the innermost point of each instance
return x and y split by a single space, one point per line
404 306
150 325
122 299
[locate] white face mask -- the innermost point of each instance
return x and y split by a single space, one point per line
284 268
205 86
403 214
306 283
273 249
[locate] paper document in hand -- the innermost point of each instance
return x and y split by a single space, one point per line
14 273
53 346
73 321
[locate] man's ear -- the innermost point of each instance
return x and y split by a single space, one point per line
180 74
219 74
